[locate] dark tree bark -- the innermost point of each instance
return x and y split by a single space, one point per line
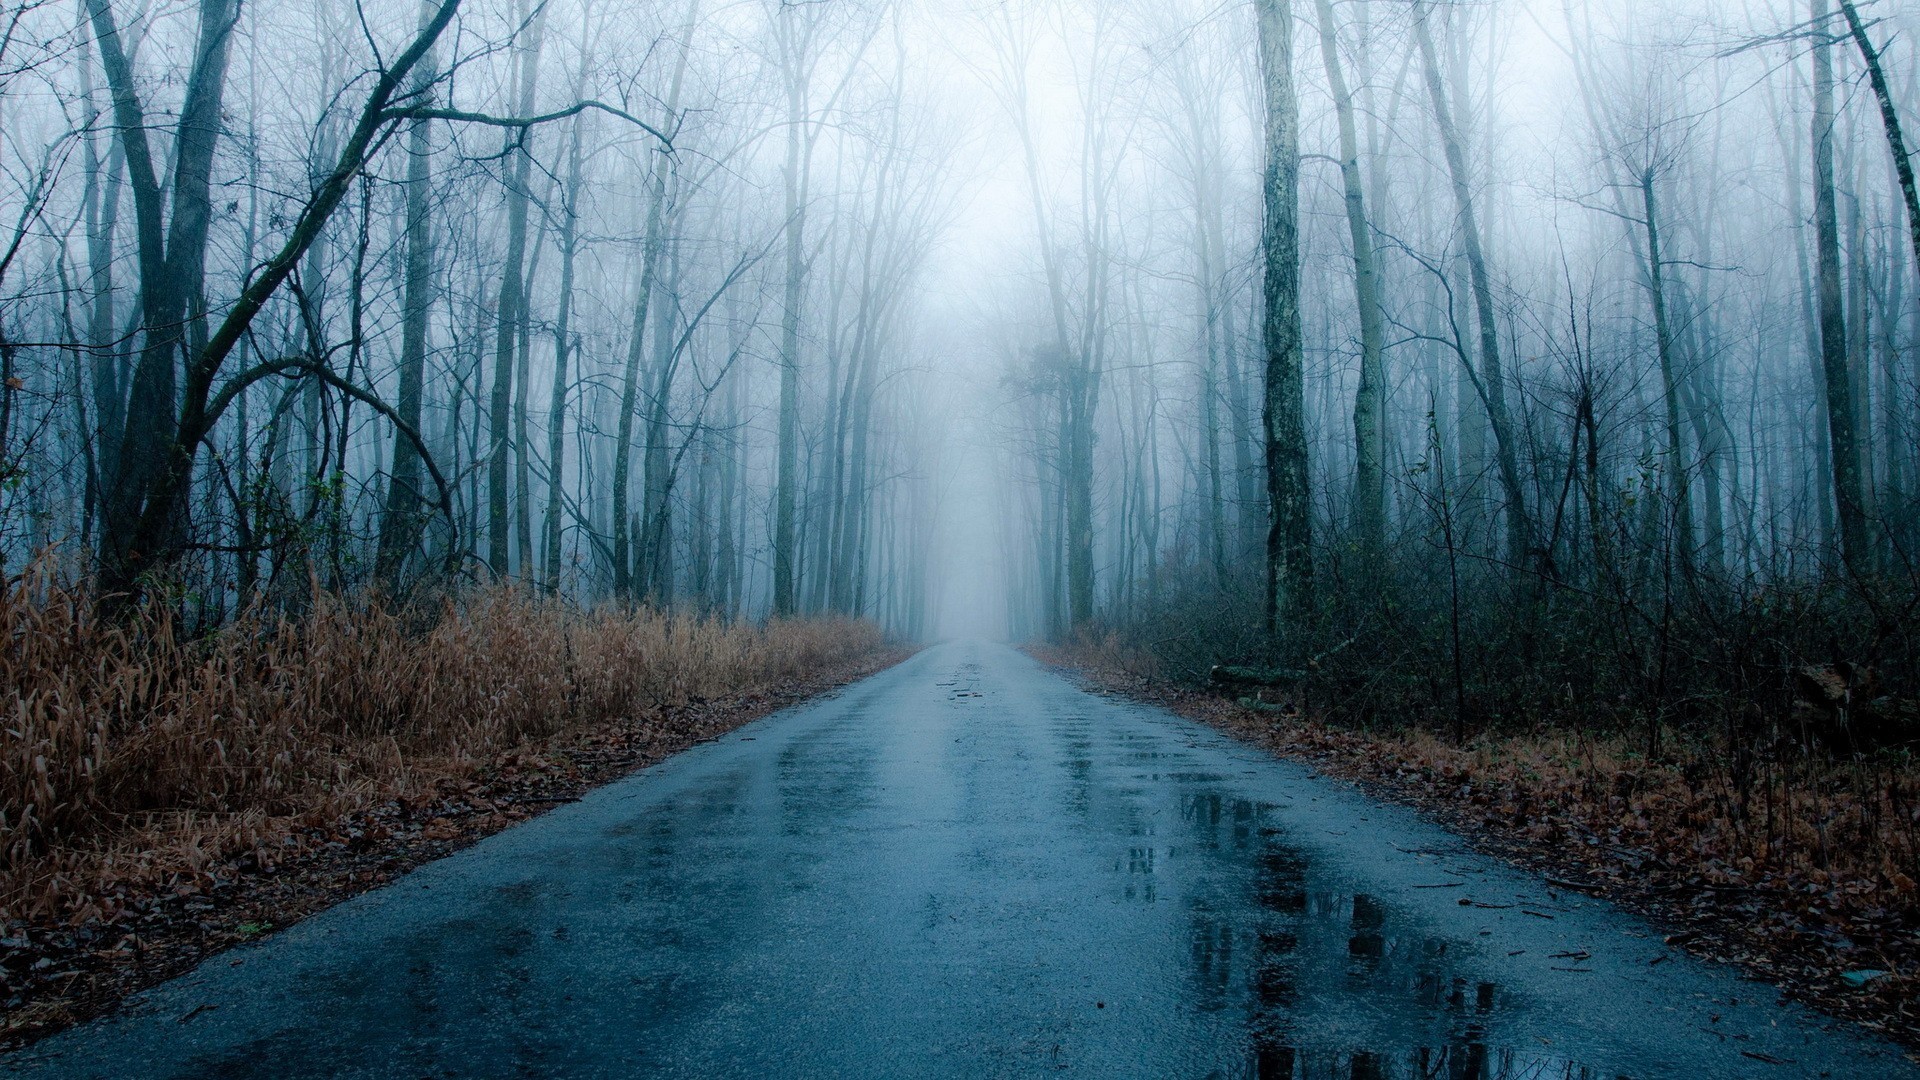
1849 485
101 206
172 260
1890 121
400 524
1290 533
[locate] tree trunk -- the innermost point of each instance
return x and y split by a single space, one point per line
1893 489
563 347
172 259
1088 361
155 541
653 575
630 384
651 245
1848 484
1250 482
1808 295
400 524
1369 403
728 600
1889 119
794 175
1289 536
1678 487
1701 394
1060 543
1491 382
101 202
513 286
525 566
1860 337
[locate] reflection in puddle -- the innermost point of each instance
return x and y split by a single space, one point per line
1446 1063
1332 984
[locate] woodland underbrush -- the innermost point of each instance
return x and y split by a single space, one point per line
1744 758
134 753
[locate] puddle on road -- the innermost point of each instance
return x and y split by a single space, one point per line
1331 984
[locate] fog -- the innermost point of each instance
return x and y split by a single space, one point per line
951 315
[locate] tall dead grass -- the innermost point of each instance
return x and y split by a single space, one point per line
130 747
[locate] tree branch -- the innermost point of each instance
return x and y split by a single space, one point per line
423 112
239 383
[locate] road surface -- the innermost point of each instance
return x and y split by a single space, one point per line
965 867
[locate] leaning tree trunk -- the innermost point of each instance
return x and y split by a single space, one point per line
1491 382
1889 119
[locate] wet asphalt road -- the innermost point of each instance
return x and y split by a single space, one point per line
965 867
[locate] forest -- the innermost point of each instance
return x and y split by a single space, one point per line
1610 307
1524 384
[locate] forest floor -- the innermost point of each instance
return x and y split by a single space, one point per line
62 972
1600 821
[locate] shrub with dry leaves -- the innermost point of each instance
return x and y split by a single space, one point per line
133 750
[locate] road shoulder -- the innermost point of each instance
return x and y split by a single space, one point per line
85 971
1571 852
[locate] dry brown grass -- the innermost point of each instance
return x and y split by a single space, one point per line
133 754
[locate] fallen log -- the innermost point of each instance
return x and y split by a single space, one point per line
1259 706
1230 675
1240 675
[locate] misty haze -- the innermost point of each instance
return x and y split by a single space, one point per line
896 538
